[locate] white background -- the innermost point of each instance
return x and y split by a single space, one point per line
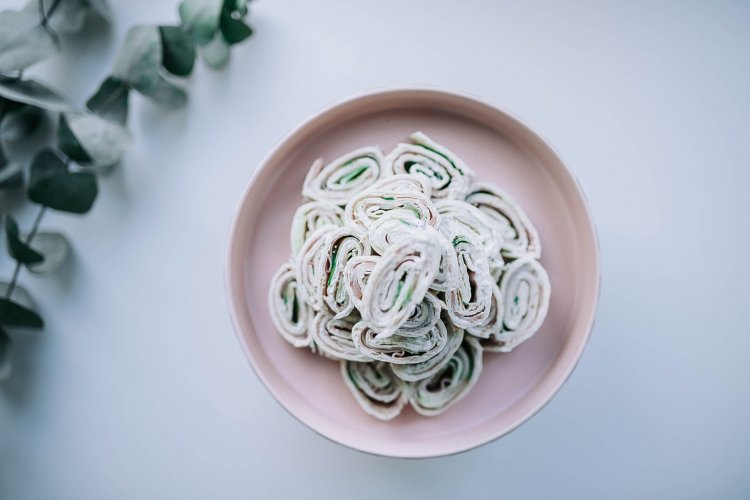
138 387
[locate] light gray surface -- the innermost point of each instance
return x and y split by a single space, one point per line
139 389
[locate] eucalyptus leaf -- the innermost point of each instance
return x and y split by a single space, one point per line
68 143
68 16
200 19
178 53
11 172
51 185
11 175
23 41
140 64
17 248
102 8
216 53
104 142
6 366
21 123
55 249
33 93
230 21
18 310
111 100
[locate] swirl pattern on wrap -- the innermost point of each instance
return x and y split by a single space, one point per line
339 180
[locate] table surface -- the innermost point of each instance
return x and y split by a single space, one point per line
138 387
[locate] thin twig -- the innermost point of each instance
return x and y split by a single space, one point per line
29 239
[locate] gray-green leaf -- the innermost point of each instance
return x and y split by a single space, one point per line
51 185
139 63
200 19
18 310
33 93
17 248
55 249
216 52
21 123
111 100
102 8
103 141
178 53
11 172
6 366
23 41
68 16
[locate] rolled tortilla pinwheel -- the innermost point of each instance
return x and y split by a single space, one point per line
289 312
525 288
400 349
434 395
307 266
377 390
367 207
447 174
471 221
494 323
520 237
309 217
344 176
425 369
333 337
447 274
400 280
356 274
469 299
402 183
339 247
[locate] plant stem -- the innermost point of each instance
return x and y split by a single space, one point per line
29 239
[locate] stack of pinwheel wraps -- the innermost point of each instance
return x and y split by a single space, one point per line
406 269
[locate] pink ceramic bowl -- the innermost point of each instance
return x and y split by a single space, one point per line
500 149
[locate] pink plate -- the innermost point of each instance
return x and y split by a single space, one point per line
500 149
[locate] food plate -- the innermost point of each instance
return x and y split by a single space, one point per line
501 150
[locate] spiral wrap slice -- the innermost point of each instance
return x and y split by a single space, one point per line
377 390
448 176
289 312
525 290
519 236
339 180
400 281
434 395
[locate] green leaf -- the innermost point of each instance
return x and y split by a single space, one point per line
200 19
23 41
6 366
178 53
230 21
139 63
103 142
68 143
33 93
17 249
11 172
18 310
21 123
68 17
55 249
102 8
53 186
216 53
111 100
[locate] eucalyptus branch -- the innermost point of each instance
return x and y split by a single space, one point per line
95 139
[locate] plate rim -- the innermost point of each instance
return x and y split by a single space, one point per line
234 301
